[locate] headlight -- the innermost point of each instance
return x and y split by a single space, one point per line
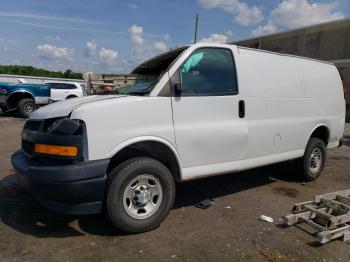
3 91
64 126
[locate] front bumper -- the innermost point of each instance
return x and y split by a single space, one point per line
72 189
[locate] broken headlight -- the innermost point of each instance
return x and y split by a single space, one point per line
64 126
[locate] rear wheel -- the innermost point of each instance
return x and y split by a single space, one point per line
26 106
312 163
140 194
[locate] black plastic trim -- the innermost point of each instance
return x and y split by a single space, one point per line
34 132
73 189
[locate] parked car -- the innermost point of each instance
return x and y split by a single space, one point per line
26 97
23 97
66 90
207 109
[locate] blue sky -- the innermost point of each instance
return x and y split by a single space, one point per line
116 35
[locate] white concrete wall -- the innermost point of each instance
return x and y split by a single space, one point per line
33 79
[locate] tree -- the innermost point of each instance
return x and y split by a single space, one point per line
32 71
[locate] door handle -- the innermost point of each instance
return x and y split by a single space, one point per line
241 109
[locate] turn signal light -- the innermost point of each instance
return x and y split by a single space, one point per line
56 150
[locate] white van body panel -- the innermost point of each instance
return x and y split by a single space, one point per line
112 122
281 110
286 99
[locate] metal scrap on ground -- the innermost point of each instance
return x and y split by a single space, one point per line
328 213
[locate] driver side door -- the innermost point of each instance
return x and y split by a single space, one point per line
210 132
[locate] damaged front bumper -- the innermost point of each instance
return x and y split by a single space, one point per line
72 189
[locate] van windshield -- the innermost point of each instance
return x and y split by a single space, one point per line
148 73
142 85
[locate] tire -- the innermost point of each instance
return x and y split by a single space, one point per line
26 106
310 165
140 194
3 109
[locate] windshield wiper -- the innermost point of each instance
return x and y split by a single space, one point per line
140 92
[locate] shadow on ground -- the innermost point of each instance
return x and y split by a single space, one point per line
347 140
11 114
21 212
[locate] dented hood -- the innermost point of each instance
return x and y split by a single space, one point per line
65 107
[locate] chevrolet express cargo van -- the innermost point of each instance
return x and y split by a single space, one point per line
199 110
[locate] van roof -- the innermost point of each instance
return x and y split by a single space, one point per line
283 54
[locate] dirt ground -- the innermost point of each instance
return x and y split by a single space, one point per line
227 231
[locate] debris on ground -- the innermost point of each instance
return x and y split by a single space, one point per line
266 218
205 204
227 207
329 213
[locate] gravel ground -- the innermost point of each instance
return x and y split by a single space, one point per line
227 231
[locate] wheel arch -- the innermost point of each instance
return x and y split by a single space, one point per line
322 132
16 96
71 96
155 147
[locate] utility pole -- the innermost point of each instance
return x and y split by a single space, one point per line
260 37
196 29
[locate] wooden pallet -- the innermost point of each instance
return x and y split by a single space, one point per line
328 213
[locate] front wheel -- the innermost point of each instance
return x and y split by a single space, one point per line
140 194
312 163
26 106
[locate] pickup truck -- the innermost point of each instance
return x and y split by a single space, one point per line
23 97
203 110
26 97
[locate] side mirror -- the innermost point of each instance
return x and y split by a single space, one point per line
178 88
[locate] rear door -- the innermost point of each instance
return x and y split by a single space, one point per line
208 126
60 91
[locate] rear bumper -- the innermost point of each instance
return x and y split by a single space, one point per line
71 189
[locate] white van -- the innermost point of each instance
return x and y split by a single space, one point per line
201 110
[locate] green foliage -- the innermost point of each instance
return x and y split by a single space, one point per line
32 71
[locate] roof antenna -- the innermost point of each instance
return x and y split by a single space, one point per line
196 29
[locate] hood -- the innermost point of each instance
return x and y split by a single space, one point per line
65 107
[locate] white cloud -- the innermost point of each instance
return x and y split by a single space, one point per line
161 46
55 52
298 13
136 34
135 29
217 38
243 14
166 37
133 6
90 48
108 56
267 29
46 17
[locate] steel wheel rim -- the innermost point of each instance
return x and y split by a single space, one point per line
315 161
29 107
142 196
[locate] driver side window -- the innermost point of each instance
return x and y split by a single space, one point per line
209 72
